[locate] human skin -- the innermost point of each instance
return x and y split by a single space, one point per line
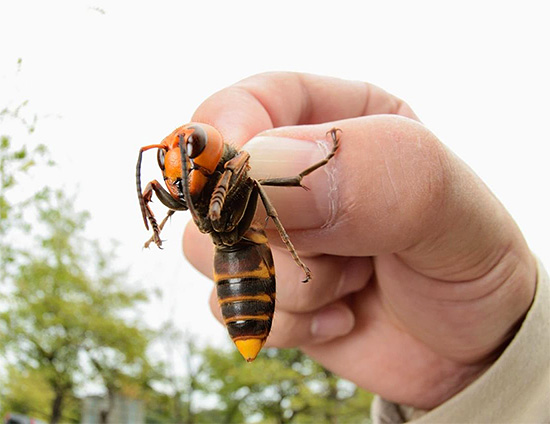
420 276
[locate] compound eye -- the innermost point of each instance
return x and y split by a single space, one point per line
196 142
160 158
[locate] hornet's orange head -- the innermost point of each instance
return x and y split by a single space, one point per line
204 147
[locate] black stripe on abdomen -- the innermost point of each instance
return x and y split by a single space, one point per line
249 329
248 286
246 307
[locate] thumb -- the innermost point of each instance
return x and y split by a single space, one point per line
373 196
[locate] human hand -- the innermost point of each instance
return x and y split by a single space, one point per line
420 276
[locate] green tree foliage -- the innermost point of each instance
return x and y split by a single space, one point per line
28 392
175 403
64 311
281 386
15 163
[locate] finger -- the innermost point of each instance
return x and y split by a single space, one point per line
376 194
278 99
333 277
298 329
392 187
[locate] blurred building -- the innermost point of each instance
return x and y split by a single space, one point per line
21 419
124 411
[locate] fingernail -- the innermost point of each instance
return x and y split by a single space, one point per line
331 322
277 157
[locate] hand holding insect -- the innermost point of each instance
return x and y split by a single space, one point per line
419 274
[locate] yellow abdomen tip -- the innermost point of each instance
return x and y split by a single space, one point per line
249 348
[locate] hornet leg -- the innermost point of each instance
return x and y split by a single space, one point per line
272 213
160 227
234 171
167 200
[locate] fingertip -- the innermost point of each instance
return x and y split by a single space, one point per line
189 237
215 306
333 321
198 249
295 330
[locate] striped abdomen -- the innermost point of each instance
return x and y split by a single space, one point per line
245 282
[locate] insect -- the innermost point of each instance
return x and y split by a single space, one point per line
210 178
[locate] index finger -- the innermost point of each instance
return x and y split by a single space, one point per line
279 99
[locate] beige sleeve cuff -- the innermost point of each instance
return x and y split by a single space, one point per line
516 389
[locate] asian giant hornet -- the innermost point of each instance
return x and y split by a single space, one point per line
208 177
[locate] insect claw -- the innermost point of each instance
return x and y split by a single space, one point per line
334 132
158 241
148 243
306 188
154 238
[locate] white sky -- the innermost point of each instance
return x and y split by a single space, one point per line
104 84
